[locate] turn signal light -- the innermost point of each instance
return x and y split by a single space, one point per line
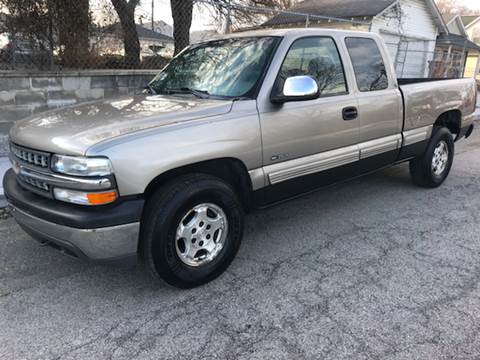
85 198
102 198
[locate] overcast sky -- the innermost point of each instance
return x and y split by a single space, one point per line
473 4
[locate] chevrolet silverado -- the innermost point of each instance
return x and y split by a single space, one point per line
230 125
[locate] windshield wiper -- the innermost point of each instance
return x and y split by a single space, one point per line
202 94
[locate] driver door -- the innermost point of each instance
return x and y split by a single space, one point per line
304 137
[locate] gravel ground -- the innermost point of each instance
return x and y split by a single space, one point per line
371 269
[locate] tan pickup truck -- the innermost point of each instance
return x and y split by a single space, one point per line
229 125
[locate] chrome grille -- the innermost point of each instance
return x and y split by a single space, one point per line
31 157
34 182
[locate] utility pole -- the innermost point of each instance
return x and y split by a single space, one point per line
228 20
153 15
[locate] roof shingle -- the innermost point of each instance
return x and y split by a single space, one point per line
341 9
143 32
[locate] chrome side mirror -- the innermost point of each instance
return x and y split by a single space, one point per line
297 88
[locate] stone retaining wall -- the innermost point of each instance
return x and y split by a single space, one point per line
22 95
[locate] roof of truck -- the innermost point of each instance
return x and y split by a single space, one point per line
291 31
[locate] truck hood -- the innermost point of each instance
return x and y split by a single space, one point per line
72 131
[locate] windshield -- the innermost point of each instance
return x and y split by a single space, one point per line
224 68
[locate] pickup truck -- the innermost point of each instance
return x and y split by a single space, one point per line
228 126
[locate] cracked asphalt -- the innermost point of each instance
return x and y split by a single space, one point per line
371 269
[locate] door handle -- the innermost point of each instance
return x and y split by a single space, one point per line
350 113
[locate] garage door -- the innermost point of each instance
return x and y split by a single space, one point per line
411 56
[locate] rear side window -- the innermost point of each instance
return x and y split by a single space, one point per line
317 57
367 63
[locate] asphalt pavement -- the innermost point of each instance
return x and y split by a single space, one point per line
375 268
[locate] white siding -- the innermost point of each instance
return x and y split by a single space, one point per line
410 33
454 28
474 32
418 20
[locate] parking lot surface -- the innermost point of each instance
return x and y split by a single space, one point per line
370 269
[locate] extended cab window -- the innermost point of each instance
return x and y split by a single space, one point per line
317 57
367 63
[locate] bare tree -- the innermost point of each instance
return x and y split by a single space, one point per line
452 7
74 21
274 4
126 13
242 13
182 13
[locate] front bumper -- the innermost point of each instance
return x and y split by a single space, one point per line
105 234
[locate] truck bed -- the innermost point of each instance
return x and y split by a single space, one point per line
426 99
407 81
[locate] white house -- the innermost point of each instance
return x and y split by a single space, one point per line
468 28
472 27
459 44
409 27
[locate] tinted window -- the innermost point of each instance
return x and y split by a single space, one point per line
368 64
317 57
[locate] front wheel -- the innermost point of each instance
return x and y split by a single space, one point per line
191 230
433 168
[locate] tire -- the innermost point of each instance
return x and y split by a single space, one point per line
431 170
185 218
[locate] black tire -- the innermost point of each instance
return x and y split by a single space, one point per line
163 214
421 167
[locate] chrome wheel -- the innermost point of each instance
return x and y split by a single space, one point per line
440 158
201 234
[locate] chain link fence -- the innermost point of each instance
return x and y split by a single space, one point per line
101 34
55 35
412 60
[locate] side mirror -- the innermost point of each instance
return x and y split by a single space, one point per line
296 88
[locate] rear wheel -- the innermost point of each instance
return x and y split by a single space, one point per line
433 168
191 230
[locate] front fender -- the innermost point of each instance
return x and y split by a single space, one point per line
139 158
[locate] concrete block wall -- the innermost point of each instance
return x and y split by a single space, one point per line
22 95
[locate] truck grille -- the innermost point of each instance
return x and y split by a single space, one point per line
30 157
32 169
40 185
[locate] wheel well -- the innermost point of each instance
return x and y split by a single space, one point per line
230 170
452 120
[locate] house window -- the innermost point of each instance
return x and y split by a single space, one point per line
368 64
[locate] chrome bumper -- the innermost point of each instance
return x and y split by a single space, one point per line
103 244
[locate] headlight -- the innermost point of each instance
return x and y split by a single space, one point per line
85 198
81 166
